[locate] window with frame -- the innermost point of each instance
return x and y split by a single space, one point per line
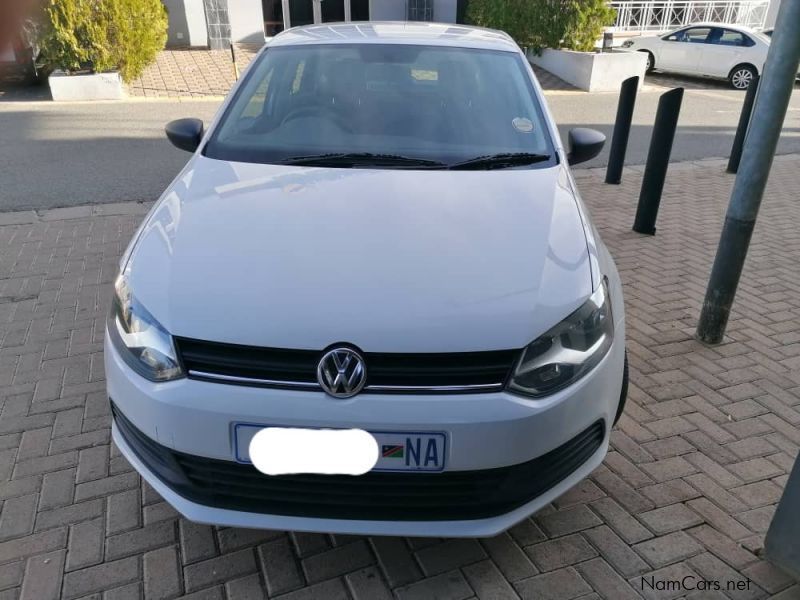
420 10
730 37
432 103
697 35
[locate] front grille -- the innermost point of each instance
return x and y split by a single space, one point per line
450 495
386 372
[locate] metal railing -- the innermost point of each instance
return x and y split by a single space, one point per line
664 15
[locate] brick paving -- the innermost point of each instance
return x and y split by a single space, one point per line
198 73
191 73
552 83
696 467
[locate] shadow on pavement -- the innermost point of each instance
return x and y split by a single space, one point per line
16 91
671 80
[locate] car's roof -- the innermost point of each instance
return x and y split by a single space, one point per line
733 26
397 32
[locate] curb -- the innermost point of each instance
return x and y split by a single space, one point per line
27 217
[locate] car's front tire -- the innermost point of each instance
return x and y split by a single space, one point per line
741 76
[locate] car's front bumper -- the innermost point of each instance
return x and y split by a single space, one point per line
485 431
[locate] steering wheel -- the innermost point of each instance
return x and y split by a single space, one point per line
305 111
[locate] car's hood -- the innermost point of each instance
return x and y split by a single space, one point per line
388 260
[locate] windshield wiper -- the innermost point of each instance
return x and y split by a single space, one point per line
500 161
362 159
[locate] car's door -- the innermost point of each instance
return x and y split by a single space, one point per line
681 51
723 50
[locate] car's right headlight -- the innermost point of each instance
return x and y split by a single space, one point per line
568 351
139 338
627 43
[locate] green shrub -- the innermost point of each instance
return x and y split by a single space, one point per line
538 24
589 19
103 35
138 32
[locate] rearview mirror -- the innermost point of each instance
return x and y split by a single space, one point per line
185 133
584 144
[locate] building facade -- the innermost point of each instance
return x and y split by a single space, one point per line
217 23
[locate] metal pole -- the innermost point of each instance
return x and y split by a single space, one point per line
233 61
777 83
622 129
655 172
744 123
780 545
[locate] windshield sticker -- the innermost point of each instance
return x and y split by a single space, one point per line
522 124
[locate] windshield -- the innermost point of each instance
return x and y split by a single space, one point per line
387 105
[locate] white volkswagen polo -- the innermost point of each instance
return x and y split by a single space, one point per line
720 50
379 232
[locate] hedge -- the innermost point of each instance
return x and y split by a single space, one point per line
538 24
103 35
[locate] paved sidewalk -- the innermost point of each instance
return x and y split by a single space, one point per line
191 73
198 73
696 468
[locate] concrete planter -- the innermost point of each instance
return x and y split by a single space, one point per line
94 86
592 72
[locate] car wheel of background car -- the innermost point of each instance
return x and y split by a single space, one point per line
623 395
741 76
651 61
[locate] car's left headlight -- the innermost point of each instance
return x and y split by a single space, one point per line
139 338
627 43
568 351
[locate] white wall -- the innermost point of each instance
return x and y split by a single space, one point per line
444 11
196 23
247 20
592 72
388 10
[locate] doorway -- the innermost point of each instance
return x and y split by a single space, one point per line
273 17
282 14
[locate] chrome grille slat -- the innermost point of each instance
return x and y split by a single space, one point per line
387 373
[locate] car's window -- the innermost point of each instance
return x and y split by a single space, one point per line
429 103
676 36
729 37
697 35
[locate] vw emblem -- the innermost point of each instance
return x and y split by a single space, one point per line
342 373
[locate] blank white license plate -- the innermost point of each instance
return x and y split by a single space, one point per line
397 450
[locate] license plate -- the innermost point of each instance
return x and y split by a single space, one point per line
397 450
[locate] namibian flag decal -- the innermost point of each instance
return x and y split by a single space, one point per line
391 451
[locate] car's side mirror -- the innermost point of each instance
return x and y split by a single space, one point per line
672 38
185 133
584 144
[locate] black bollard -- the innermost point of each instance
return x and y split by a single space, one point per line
655 172
622 129
744 124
